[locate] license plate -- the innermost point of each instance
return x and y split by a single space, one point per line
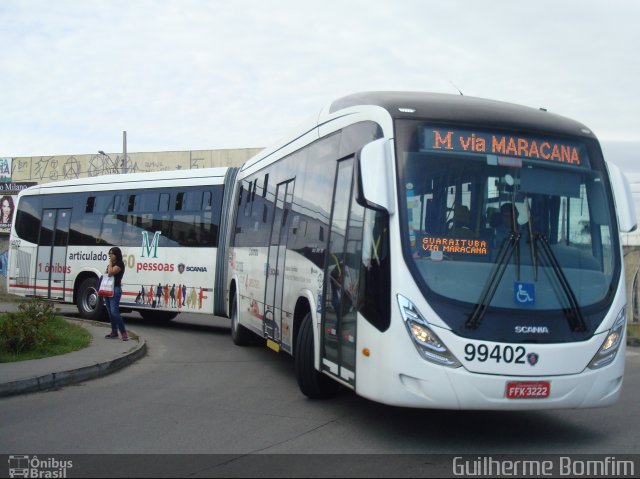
528 390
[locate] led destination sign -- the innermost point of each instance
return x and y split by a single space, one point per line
518 146
454 245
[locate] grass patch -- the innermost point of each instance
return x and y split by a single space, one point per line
62 337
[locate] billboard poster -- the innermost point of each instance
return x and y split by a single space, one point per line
5 169
8 198
7 207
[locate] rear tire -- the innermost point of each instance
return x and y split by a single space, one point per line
151 315
312 383
240 335
90 305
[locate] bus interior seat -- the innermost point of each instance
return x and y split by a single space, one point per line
461 223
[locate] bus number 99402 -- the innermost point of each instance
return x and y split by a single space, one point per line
483 353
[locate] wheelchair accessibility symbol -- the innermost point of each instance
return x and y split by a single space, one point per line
525 294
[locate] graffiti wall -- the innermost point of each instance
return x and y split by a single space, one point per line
42 169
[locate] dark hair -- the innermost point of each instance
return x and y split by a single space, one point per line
508 208
11 205
116 251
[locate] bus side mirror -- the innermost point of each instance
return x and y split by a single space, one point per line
625 207
374 175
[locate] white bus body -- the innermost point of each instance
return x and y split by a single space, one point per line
367 246
168 224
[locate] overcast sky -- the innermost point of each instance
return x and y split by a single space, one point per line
205 74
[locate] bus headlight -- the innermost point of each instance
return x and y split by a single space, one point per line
612 342
424 339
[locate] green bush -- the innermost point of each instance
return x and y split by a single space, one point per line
26 329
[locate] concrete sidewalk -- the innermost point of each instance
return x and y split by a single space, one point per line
101 357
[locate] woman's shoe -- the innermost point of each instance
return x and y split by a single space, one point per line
112 336
125 337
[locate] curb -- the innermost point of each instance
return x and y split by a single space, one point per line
73 376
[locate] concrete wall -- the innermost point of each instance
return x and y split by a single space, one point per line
44 169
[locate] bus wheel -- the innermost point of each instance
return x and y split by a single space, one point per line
89 303
312 383
240 335
150 315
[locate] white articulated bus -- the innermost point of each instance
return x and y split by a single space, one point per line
168 224
436 251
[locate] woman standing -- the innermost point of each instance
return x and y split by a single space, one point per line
115 268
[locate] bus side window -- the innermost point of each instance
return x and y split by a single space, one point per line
91 201
84 229
103 203
115 206
111 233
207 201
247 198
375 277
240 194
183 229
163 202
27 219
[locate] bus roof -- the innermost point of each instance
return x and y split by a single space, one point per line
133 180
441 107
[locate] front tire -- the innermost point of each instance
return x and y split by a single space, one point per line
312 383
89 304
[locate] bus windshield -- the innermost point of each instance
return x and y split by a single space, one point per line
499 223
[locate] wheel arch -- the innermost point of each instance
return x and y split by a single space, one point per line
233 290
305 305
80 278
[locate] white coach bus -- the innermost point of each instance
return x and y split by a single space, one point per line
168 224
436 251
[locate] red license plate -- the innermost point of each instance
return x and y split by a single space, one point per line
528 390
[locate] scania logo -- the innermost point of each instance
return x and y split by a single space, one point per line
531 330
199 269
532 358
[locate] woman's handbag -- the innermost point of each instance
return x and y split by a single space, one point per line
106 286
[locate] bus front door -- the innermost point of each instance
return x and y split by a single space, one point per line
342 272
51 266
272 321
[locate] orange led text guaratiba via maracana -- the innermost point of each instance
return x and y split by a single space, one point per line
535 148
453 245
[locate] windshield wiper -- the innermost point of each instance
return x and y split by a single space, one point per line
574 313
532 243
504 255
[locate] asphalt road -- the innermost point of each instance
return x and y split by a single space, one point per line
197 393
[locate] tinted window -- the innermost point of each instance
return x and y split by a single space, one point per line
27 221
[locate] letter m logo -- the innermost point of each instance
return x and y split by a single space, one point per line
152 247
